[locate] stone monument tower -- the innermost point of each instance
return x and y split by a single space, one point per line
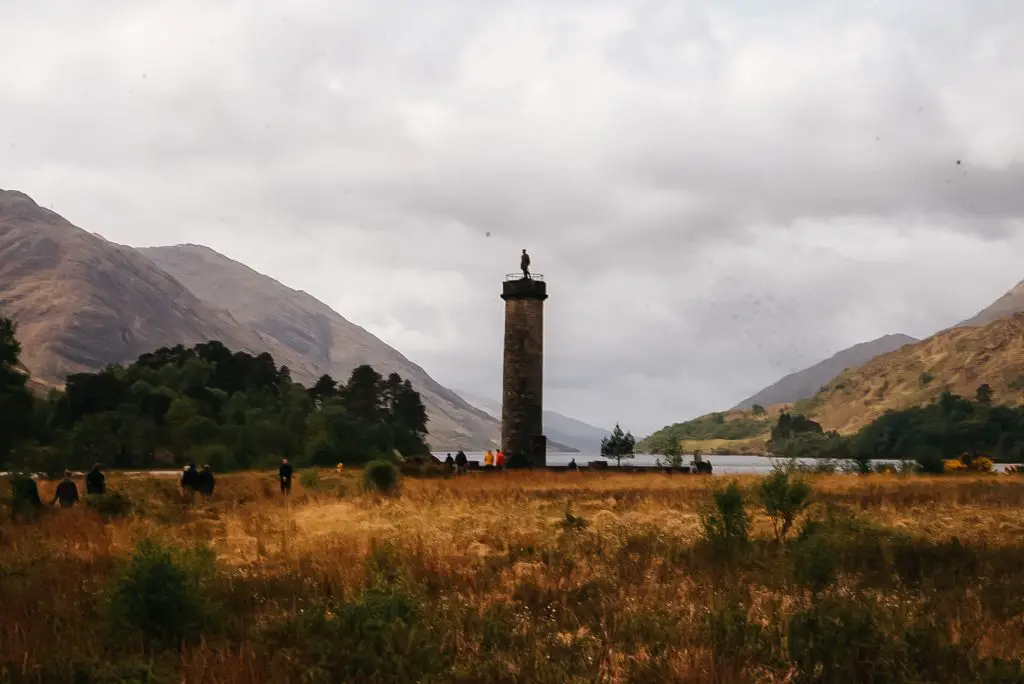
522 404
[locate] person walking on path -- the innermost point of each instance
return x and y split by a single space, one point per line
95 481
285 473
67 492
524 263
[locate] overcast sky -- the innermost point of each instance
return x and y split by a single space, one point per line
718 193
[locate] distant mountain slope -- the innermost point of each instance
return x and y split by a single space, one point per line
959 359
1010 303
81 302
559 429
324 339
733 432
806 383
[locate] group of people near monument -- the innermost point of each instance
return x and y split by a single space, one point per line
193 481
460 463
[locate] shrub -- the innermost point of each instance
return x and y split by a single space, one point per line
310 479
930 460
163 593
783 499
381 477
841 641
113 504
981 464
725 522
816 558
384 635
953 465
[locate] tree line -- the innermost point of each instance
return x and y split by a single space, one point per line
951 427
204 404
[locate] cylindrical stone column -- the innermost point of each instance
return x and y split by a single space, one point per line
522 405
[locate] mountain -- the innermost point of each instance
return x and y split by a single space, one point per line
1010 303
81 302
733 432
958 360
561 431
806 383
321 337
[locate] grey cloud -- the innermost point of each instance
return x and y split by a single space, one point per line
718 193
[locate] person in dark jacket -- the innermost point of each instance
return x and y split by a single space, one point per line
285 473
190 482
461 461
206 481
67 492
25 497
95 481
524 263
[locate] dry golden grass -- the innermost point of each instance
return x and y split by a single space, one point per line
632 596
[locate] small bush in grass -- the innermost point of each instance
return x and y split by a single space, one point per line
113 504
310 479
163 594
381 477
725 521
784 498
815 557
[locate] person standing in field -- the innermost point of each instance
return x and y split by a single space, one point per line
206 482
489 458
95 481
285 474
67 492
460 462
189 482
499 459
25 499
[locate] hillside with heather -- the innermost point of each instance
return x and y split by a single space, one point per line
958 360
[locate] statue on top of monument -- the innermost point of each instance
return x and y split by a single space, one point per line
524 263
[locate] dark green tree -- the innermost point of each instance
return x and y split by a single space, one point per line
669 452
16 402
618 445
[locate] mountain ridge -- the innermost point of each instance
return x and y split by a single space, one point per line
559 428
82 302
326 339
805 383
957 360
1010 303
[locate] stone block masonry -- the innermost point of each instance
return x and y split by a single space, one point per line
522 406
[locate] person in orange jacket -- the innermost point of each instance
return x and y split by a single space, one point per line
489 458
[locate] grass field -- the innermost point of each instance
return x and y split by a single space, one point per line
519 577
